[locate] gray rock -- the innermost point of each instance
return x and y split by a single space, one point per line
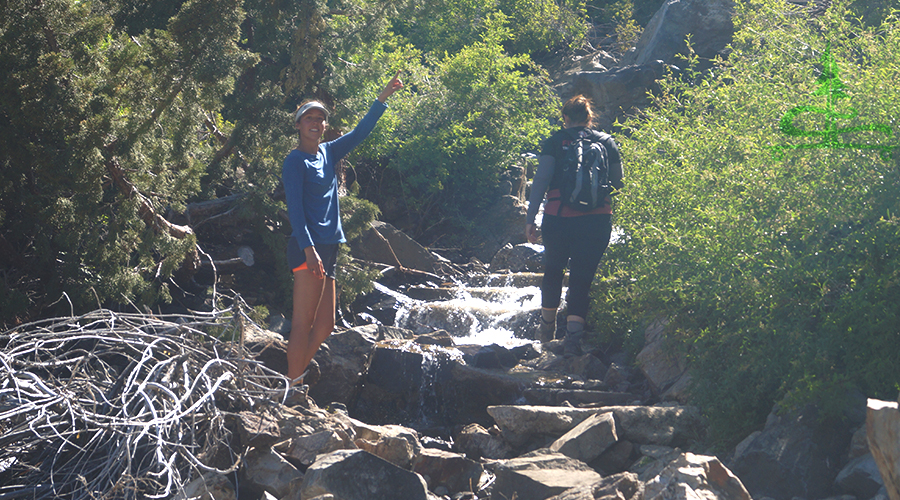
385 244
524 257
618 90
615 459
653 459
477 443
502 223
622 486
659 362
359 475
466 393
306 448
394 443
587 440
399 384
540 475
269 471
343 364
659 425
520 424
695 476
883 431
795 455
708 21
209 486
452 471
860 477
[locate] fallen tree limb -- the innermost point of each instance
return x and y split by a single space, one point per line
112 405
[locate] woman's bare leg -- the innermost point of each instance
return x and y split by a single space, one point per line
307 299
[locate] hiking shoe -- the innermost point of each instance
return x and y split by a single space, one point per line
547 331
312 373
572 345
297 395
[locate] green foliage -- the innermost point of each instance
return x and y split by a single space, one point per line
98 130
354 280
544 26
474 112
627 30
778 274
641 11
536 27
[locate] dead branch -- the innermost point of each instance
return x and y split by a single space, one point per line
112 405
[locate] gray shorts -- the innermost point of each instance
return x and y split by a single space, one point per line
297 257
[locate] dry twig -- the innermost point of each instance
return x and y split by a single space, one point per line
111 405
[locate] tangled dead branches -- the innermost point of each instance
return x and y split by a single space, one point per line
111 405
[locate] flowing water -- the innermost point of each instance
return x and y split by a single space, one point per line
495 309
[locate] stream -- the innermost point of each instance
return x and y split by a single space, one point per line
491 309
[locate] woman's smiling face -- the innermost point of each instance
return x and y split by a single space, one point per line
311 126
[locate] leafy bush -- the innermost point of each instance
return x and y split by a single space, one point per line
536 27
439 154
779 274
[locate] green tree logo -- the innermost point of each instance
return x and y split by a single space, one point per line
833 89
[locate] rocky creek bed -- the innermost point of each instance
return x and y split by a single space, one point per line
111 405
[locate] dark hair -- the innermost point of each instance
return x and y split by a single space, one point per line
578 109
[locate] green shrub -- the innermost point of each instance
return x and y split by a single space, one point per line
778 273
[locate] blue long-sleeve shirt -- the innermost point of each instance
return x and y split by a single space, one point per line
311 186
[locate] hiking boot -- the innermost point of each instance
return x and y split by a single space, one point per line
547 331
297 395
312 373
572 345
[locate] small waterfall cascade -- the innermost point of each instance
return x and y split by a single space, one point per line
490 309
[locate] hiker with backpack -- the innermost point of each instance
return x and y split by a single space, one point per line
578 169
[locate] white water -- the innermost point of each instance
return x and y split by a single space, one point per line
476 315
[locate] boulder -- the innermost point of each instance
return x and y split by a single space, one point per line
394 443
343 363
659 425
622 486
707 21
494 356
477 443
540 475
671 425
466 393
399 384
209 486
616 91
437 337
661 365
385 244
587 440
616 458
520 424
795 455
266 470
652 460
502 223
258 429
524 257
305 449
860 477
695 476
883 432
360 475
452 471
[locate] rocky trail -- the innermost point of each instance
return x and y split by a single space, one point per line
112 405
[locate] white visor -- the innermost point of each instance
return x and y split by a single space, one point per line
308 106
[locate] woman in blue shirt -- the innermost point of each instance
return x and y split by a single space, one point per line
311 191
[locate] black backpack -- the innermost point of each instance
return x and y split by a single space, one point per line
585 172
